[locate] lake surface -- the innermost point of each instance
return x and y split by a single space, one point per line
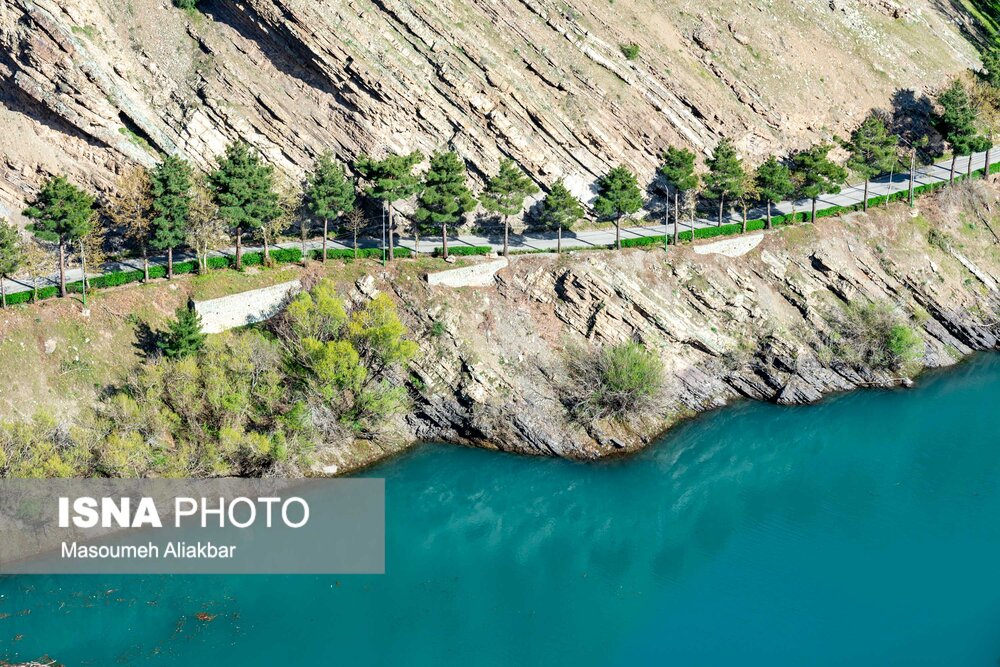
864 530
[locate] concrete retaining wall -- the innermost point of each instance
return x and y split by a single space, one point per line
239 310
477 275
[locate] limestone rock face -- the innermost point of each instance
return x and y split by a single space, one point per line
492 368
87 86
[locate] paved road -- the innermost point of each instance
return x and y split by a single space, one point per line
848 196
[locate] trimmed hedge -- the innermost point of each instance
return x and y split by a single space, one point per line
465 250
363 253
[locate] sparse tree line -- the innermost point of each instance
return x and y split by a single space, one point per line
171 207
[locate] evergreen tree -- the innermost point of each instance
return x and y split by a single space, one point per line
444 199
243 188
618 195
390 180
957 122
774 184
560 210
505 194
63 213
170 185
183 336
678 171
991 65
329 193
872 149
12 255
817 174
725 175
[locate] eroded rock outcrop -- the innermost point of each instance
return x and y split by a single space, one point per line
89 85
759 326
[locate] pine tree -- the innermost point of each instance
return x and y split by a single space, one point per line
560 210
618 195
505 194
818 174
329 193
183 336
243 188
63 213
444 199
991 65
678 171
390 180
872 149
957 121
12 255
749 194
171 189
725 175
774 184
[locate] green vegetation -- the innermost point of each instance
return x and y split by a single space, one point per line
465 250
12 255
957 123
390 180
183 336
560 210
678 170
774 184
170 186
618 382
505 194
186 4
618 195
63 213
726 175
817 174
243 188
445 198
247 402
329 193
630 51
876 335
873 151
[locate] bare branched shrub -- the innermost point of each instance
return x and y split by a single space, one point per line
617 382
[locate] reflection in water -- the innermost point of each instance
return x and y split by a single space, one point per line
858 530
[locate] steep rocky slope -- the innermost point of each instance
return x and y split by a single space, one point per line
89 85
756 326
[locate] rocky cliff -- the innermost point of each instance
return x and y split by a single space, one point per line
758 326
87 86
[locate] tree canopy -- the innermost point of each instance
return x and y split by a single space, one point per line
678 169
244 188
445 198
725 172
560 209
329 190
872 148
170 186
505 193
61 211
818 174
957 119
618 194
390 179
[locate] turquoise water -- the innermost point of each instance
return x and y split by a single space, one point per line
865 531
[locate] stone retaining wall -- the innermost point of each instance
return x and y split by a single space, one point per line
239 310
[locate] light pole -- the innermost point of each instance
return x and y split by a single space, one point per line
383 234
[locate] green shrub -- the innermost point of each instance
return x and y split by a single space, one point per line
630 51
616 382
363 253
465 250
186 4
